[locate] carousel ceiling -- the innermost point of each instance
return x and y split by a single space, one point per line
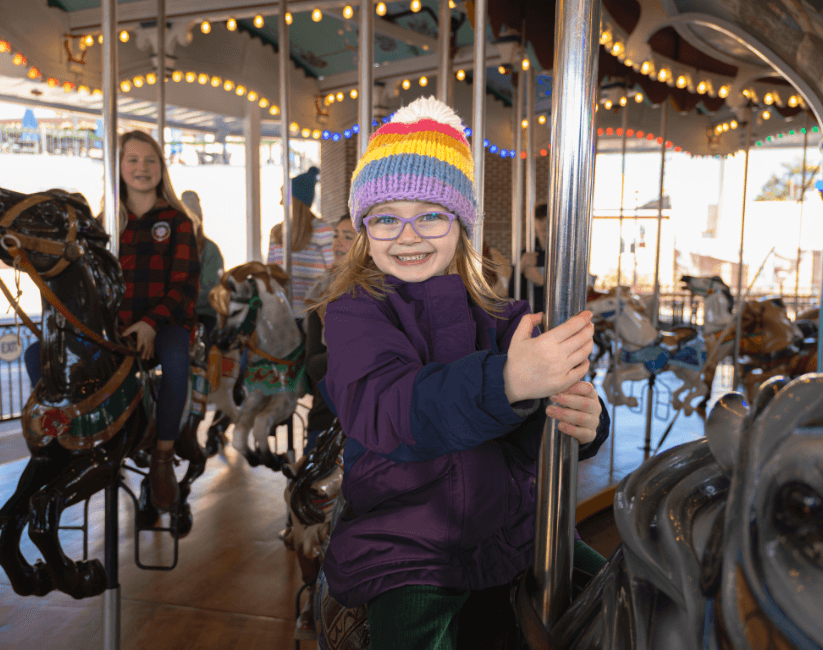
651 51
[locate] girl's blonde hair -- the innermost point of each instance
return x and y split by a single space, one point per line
359 270
301 226
164 187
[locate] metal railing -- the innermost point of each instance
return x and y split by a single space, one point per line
15 387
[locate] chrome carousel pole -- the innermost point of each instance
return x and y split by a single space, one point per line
365 70
735 351
617 346
800 222
161 75
517 186
571 179
531 168
444 53
479 116
111 184
285 68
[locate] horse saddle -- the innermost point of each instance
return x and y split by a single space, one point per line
673 340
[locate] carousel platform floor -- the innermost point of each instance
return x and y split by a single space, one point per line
235 583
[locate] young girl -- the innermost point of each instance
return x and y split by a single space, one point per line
436 382
161 269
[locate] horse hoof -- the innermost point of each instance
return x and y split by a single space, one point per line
92 580
212 446
184 521
141 458
253 457
631 402
40 582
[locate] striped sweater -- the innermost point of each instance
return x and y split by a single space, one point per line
308 265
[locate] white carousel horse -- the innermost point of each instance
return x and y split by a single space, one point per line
256 315
645 350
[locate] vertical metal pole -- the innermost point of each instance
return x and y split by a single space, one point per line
617 346
517 187
111 597
571 180
444 53
365 70
735 351
800 222
251 133
664 123
285 68
161 75
479 115
517 225
531 167
111 175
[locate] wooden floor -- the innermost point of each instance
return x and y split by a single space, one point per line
235 584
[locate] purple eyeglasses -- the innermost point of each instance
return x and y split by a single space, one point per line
429 225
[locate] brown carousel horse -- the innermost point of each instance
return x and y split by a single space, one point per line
93 407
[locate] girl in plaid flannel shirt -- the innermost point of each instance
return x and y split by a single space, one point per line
161 269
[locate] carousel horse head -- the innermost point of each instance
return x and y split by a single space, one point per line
769 330
244 293
722 537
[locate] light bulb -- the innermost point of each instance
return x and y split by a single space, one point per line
766 115
151 78
501 69
340 96
240 91
541 119
263 103
205 27
330 98
124 36
84 90
617 48
294 127
793 101
406 84
177 75
423 81
203 79
723 91
525 64
289 18
125 86
451 4
663 75
96 92
231 24
381 9
138 82
51 82
524 124
348 12
34 73
646 67
18 59
733 124
461 74
216 81
605 37
725 126
768 98
701 88
623 101
638 97
252 96
190 77
316 134
681 81
258 21
415 5
228 84
718 129
317 15
305 132
353 93
607 104
89 40
68 86
274 110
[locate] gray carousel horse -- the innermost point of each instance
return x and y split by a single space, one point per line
722 543
256 315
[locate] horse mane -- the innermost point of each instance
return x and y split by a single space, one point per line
257 270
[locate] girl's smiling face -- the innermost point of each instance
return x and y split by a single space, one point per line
410 257
141 167
344 235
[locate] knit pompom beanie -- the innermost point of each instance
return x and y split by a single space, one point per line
421 154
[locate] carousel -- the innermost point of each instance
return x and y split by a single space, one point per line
712 534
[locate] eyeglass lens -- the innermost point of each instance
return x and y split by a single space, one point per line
429 225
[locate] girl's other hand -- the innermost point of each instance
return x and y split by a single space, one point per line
145 338
577 411
549 363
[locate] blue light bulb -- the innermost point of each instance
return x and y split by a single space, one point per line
504 153
467 131
336 137
485 142
326 135
374 122
512 153
347 133
493 148
355 128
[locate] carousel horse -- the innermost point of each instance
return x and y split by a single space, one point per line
646 351
313 487
256 315
603 337
94 406
721 538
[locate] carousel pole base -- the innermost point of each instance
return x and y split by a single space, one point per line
111 619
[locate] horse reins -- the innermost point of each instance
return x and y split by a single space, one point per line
68 253
245 332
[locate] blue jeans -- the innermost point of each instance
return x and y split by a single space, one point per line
171 347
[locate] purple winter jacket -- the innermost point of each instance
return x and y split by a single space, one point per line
439 467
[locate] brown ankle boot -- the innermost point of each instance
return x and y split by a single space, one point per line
164 489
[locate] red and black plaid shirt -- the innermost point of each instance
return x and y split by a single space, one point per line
161 267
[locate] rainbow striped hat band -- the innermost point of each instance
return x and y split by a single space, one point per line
426 159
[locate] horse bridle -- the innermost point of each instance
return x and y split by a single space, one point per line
16 242
245 331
